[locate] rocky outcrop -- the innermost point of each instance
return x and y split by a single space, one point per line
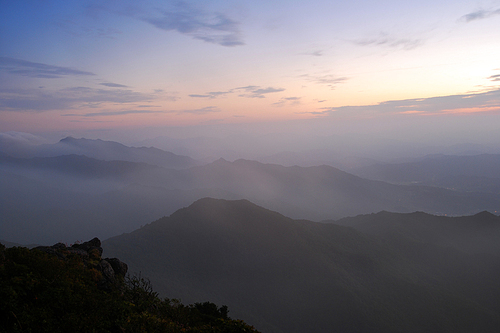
113 270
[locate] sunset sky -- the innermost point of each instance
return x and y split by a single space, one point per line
82 66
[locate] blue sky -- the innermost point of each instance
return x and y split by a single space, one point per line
80 66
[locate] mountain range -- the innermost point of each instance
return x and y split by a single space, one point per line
102 150
380 272
387 256
51 199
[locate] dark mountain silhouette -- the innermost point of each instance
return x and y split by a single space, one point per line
107 151
285 275
79 166
471 234
468 173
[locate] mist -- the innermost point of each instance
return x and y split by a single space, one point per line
79 187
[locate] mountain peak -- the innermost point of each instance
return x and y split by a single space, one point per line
68 139
486 216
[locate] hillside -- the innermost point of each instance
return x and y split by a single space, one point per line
285 275
73 289
470 234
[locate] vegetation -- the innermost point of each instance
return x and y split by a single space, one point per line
40 292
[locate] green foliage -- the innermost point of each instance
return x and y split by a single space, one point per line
43 293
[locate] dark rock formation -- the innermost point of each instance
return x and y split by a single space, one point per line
112 269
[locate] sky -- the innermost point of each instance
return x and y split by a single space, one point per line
422 69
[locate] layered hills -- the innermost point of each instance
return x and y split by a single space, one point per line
54 198
102 150
286 275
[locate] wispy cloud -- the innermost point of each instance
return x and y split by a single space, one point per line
75 26
329 80
37 70
495 77
213 94
288 101
479 15
386 40
86 94
247 91
111 113
257 92
70 98
205 110
13 137
179 16
315 53
113 85
211 27
464 103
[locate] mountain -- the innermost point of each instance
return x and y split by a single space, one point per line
466 173
285 275
70 197
107 151
321 192
78 165
470 234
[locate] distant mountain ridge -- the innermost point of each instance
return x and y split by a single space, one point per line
469 173
285 275
92 197
320 191
474 234
108 151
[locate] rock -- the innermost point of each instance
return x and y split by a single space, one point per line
113 269
119 266
107 271
93 244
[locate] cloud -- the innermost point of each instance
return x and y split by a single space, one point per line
111 113
385 40
91 95
76 26
495 77
316 53
22 138
267 90
257 91
37 70
327 79
213 94
64 99
479 15
113 85
148 106
463 103
249 92
210 27
288 100
205 110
